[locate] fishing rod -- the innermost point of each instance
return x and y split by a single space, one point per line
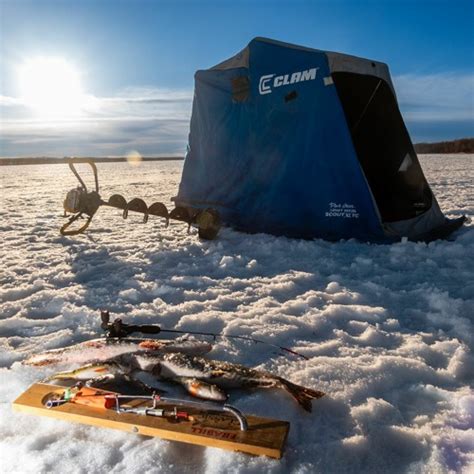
118 329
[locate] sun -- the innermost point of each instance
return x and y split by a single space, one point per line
51 86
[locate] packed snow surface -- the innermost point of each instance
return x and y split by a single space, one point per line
388 329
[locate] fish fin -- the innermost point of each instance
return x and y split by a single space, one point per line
302 395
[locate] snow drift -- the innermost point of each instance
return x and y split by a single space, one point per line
388 329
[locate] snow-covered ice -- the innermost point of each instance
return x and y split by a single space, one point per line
388 329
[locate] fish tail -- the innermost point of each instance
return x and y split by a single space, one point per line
304 396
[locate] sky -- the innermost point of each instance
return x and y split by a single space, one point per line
105 77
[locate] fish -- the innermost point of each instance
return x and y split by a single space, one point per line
200 389
106 348
92 374
201 377
109 372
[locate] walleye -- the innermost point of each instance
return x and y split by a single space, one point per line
106 348
204 378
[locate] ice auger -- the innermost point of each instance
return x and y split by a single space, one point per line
82 203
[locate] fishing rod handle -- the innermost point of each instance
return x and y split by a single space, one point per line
145 328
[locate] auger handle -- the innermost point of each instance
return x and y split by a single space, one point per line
76 174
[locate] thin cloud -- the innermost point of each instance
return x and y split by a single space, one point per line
6 101
436 97
156 121
152 121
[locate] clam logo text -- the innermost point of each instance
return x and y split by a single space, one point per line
270 81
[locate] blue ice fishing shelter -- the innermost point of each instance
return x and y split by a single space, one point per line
295 141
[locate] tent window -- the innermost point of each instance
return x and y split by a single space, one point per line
240 88
383 146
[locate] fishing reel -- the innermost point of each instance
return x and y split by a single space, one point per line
118 329
83 203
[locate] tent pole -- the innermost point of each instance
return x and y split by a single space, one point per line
354 128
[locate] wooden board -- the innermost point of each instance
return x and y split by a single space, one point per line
264 436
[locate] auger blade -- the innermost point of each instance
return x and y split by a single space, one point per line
181 214
159 209
136 205
116 200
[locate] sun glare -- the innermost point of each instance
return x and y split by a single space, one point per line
51 86
134 158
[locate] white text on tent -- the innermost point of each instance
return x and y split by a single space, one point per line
270 81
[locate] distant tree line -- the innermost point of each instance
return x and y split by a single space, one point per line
45 160
463 145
